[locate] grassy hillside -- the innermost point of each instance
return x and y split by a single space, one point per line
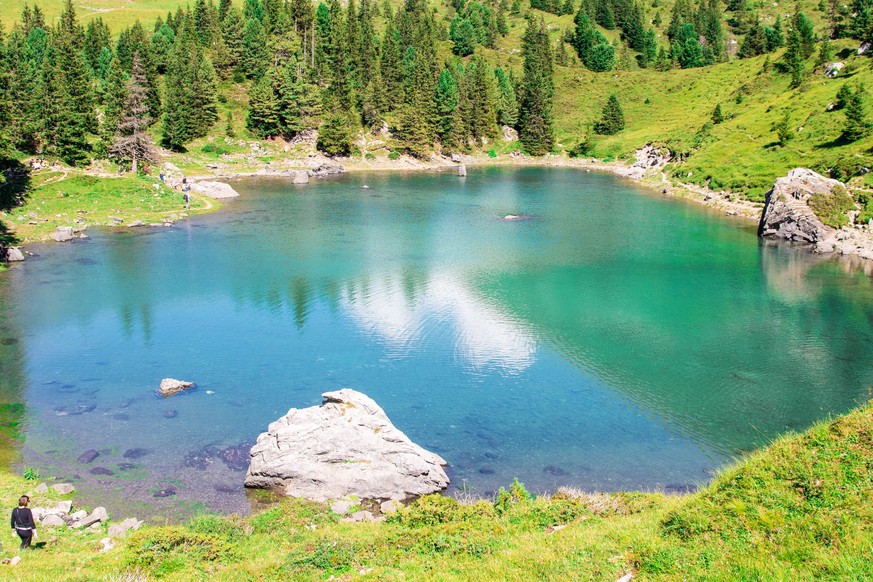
798 510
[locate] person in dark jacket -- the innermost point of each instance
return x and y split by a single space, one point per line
22 522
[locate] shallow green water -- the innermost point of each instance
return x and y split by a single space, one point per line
609 339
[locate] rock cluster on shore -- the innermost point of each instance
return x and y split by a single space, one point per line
61 514
346 446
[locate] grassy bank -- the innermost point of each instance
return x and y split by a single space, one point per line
800 509
63 197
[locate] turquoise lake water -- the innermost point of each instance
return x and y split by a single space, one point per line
611 339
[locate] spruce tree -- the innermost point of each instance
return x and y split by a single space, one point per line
113 94
806 30
857 122
132 140
263 116
254 58
794 59
507 103
717 116
535 116
612 118
446 100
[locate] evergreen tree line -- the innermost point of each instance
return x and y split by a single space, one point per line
65 89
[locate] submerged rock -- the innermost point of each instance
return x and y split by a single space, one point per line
787 214
346 446
171 387
88 456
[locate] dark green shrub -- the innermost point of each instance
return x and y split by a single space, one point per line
293 513
164 550
208 148
335 556
392 155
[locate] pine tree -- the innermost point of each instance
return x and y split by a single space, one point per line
113 93
794 59
805 28
483 121
254 58
593 48
783 129
535 116
825 54
717 116
132 140
446 100
507 103
612 119
334 136
263 116
857 122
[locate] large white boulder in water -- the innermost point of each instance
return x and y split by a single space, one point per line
346 446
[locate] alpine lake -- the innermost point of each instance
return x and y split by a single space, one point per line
558 326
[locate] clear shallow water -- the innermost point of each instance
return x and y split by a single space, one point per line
614 340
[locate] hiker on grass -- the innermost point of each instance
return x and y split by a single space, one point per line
186 193
22 522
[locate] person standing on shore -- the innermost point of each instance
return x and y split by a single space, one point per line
22 522
186 193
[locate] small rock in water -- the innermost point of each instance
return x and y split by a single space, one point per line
68 388
170 414
126 466
88 456
490 455
210 392
171 387
101 471
8 341
486 470
120 416
168 491
63 488
136 453
555 471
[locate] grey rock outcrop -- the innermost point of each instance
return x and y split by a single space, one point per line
63 234
214 189
648 159
171 387
346 446
833 69
326 169
299 177
787 214
97 516
13 254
